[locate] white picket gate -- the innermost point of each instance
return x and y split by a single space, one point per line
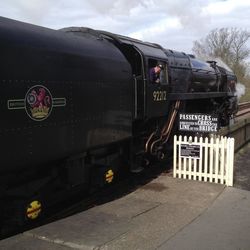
212 162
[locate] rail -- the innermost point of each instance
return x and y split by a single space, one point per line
240 129
244 109
244 105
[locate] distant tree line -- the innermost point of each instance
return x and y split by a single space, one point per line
229 45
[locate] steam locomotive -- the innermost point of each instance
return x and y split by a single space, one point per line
77 108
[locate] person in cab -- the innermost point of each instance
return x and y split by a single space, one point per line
154 73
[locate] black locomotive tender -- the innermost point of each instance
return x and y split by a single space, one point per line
77 107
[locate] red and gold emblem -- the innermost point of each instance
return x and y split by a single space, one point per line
38 103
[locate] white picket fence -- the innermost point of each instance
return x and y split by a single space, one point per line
210 161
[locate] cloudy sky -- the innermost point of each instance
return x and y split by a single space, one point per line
174 24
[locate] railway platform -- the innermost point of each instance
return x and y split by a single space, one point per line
166 213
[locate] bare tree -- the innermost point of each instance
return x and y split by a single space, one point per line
228 44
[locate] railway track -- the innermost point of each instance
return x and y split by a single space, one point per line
244 109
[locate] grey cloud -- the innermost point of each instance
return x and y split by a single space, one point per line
173 24
26 10
119 7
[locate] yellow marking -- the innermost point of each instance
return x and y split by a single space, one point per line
109 176
33 210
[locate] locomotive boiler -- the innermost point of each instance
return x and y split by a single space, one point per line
77 108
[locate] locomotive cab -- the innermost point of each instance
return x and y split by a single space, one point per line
149 98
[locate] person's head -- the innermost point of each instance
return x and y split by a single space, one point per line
158 68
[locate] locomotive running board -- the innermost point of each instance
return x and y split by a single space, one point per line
197 95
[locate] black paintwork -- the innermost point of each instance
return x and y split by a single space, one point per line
101 106
91 74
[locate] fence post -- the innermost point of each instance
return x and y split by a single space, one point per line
175 156
201 158
216 159
206 160
230 151
211 159
195 162
184 161
179 158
